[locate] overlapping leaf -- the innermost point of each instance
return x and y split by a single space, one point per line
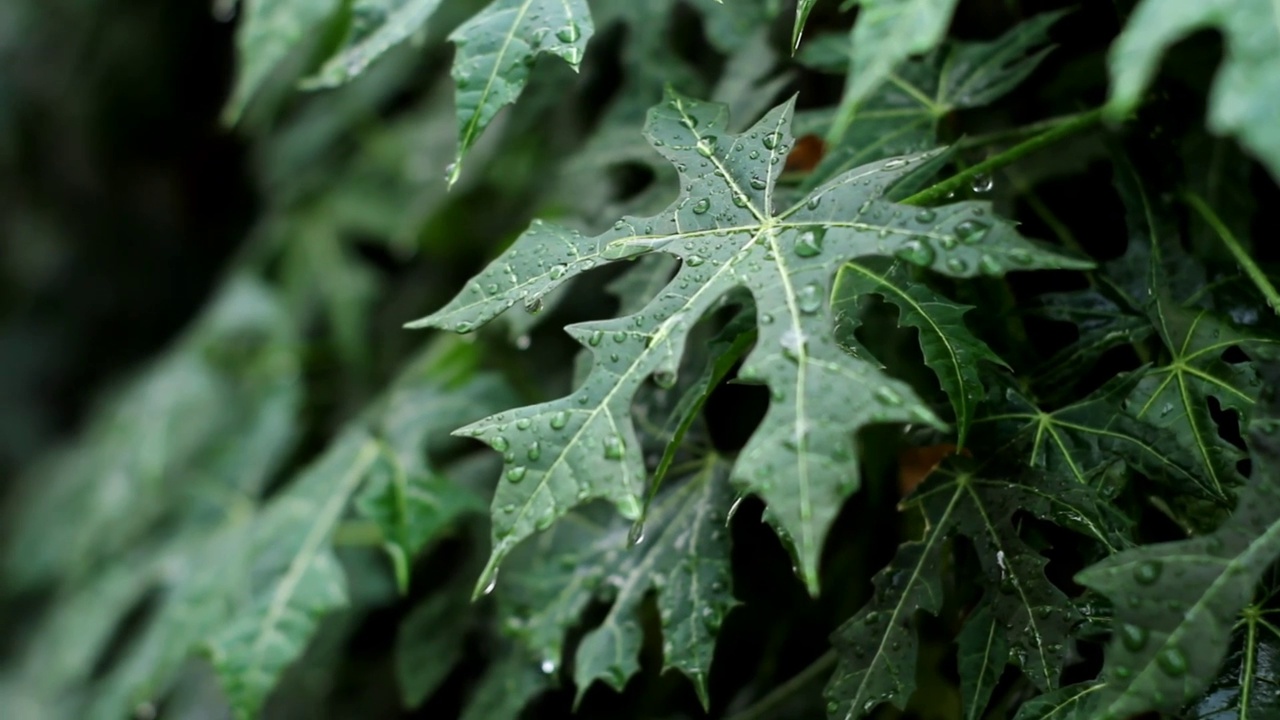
728 234
1243 100
1248 685
899 110
270 30
877 648
1176 603
376 27
496 50
681 550
950 349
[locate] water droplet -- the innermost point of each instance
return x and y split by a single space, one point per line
809 243
990 265
635 536
706 146
620 336
1020 256
809 298
535 450
814 202
558 271
463 327
491 288
926 216
971 232
569 33
771 140
957 265
1146 573
702 206
1133 637
832 707
871 618
793 344
499 443
664 379
594 338
916 252
613 448
559 420
548 666
766 319
1173 661
516 474
1122 672
739 199
493 583
694 260
982 183
758 183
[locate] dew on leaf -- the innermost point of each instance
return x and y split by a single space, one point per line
706 146
809 298
957 265
1172 661
925 216
559 420
771 140
516 474
757 183
917 252
664 379
1147 572
499 443
569 33
463 327
535 450
694 260
613 448
702 206
971 232
809 243
1133 637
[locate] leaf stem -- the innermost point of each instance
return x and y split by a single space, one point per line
762 707
1237 250
939 191
972 141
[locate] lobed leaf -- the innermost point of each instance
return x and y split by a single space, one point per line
496 49
1243 99
269 30
376 27
728 234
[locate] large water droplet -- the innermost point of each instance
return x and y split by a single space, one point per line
493 583
499 443
1146 573
535 450
1172 661
706 146
917 252
809 298
971 232
613 448
758 183
516 474
694 260
559 420
771 140
809 243
569 33
548 666
1133 637
702 206
982 183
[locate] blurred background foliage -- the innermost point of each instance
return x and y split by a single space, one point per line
130 216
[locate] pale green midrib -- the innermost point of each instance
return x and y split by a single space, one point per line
1255 547
986 658
855 705
468 137
326 518
1031 615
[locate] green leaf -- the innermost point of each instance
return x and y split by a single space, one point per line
506 687
877 648
376 27
496 49
1242 102
429 644
886 33
950 349
294 577
726 230
681 549
899 110
803 8
983 652
1176 603
1248 686
269 30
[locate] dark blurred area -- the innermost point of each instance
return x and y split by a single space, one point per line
121 196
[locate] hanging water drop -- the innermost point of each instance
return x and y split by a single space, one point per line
982 183
635 535
493 582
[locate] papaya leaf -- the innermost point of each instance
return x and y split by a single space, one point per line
429 644
950 349
376 27
982 655
681 550
1248 686
270 30
726 230
496 49
1242 102
1061 704
877 648
1176 603
899 112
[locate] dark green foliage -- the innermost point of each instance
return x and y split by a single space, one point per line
923 392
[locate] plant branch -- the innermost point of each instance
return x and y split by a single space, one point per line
764 705
940 190
1237 250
